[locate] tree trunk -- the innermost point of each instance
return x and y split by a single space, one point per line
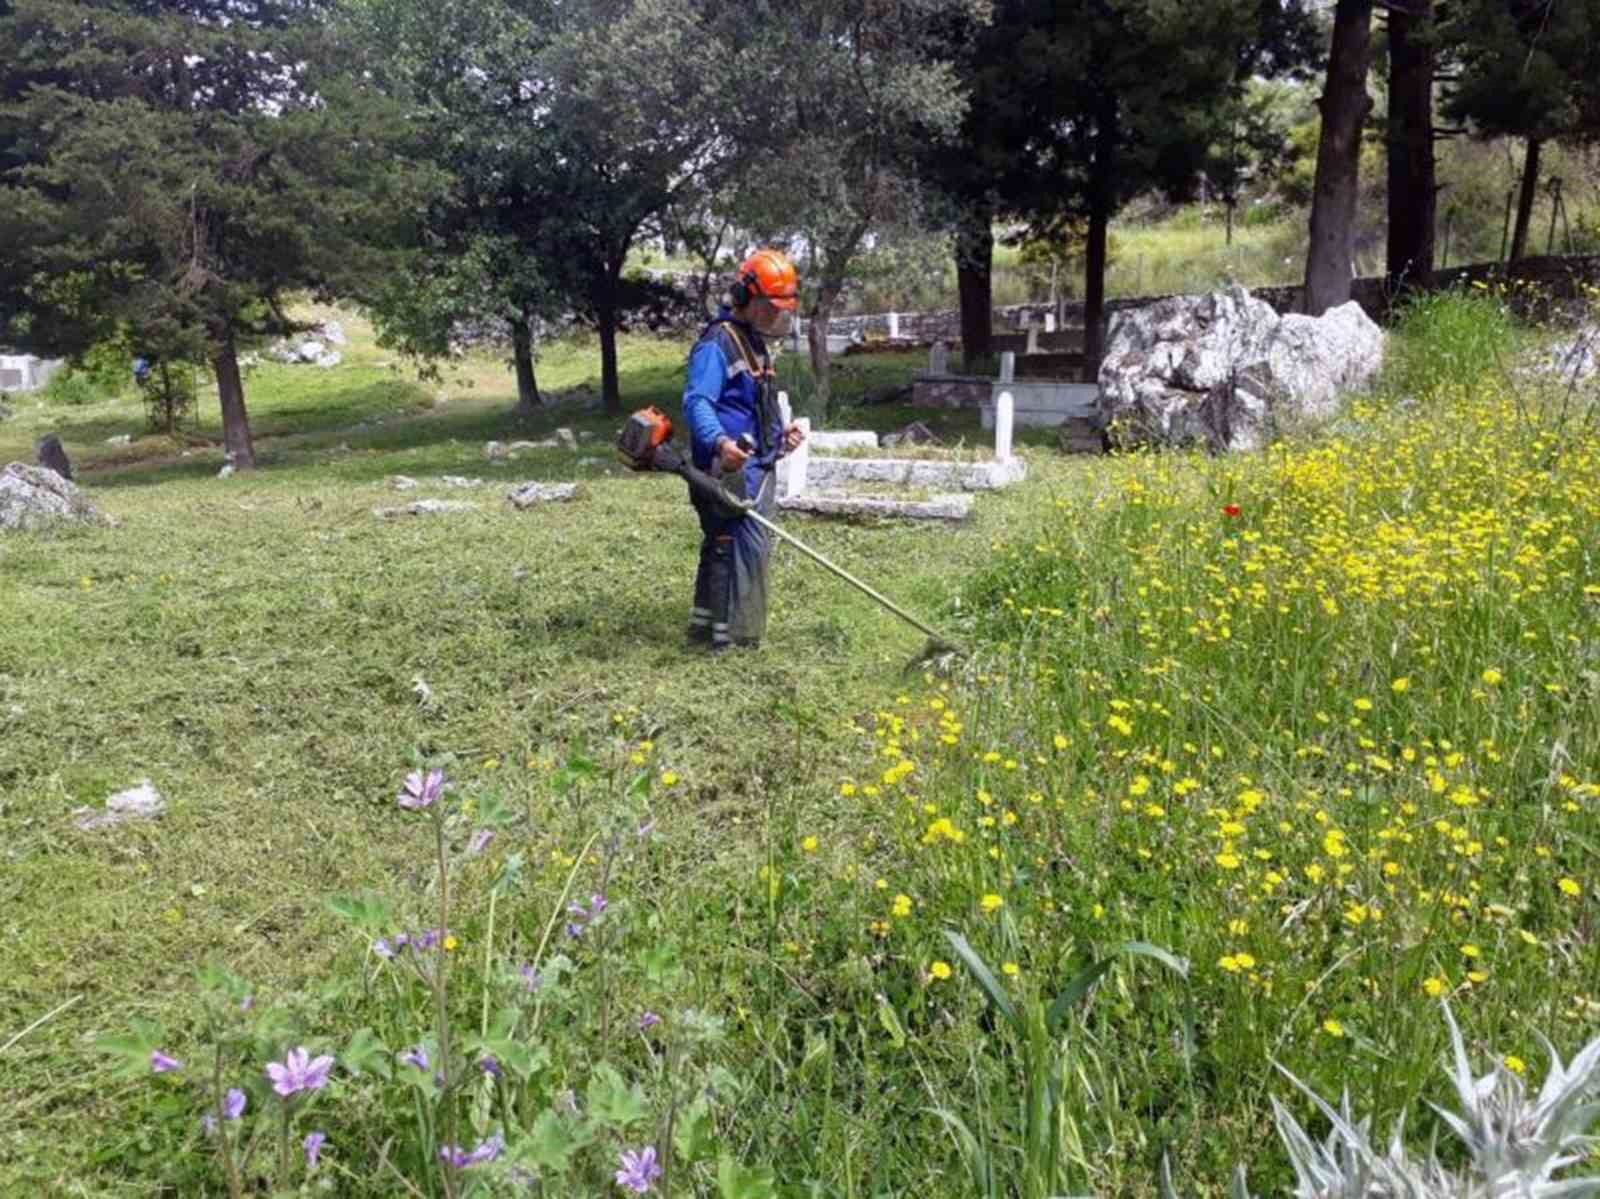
528 401
975 283
1344 105
1101 198
1412 189
1530 185
1094 292
230 391
817 343
607 317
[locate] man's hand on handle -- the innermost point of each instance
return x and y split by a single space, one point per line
793 435
730 455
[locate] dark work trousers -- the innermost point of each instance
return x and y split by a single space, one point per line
730 586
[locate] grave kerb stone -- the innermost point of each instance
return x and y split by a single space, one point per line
796 464
1008 366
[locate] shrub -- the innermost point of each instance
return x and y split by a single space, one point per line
72 388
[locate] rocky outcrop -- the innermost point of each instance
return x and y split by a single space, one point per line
1224 370
32 497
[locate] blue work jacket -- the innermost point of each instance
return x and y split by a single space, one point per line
722 398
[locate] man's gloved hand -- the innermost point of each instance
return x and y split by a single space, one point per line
730 455
793 435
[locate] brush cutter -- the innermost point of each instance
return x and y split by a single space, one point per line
645 444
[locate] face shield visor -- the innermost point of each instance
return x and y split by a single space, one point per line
773 316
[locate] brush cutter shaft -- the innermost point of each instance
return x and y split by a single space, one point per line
846 576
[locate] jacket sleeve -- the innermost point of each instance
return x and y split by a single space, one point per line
708 367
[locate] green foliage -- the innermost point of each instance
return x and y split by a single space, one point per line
1449 342
72 388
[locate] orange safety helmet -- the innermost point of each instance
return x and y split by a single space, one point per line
767 273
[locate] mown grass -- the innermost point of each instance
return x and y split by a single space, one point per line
1317 720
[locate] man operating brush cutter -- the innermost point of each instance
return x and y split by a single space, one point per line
736 439
730 404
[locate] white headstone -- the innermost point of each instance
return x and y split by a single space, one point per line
1049 322
1033 340
1004 408
785 412
794 482
1008 367
894 326
939 359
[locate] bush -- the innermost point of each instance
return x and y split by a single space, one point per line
1450 340
71 387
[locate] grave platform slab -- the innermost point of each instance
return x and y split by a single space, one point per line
939 507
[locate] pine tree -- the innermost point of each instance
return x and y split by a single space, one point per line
176 171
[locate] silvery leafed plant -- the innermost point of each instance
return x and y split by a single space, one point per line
1517 1142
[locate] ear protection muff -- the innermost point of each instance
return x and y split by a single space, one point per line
743 289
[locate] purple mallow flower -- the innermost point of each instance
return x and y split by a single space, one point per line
421 790
160 1063
479 842
648 1020
530 977
486 1151
417 1057
299 1071
233 1104
313 1147
582 916
382 948
639 1169
490 1065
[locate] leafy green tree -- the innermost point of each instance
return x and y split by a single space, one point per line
1528 70
1132 89
859 90
175 170
570 132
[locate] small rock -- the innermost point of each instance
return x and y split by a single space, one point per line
143 802
526 495
459 481
327 359
332 332
402 482
310 351
565 439
916 433
494 449
424 507
227 469
120 439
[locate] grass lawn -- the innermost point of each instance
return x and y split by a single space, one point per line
1255 760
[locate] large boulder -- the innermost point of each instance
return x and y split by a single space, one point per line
32 496
1225 369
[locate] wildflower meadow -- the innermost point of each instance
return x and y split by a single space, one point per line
1257 826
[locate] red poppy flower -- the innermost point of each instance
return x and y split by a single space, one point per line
1230 509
